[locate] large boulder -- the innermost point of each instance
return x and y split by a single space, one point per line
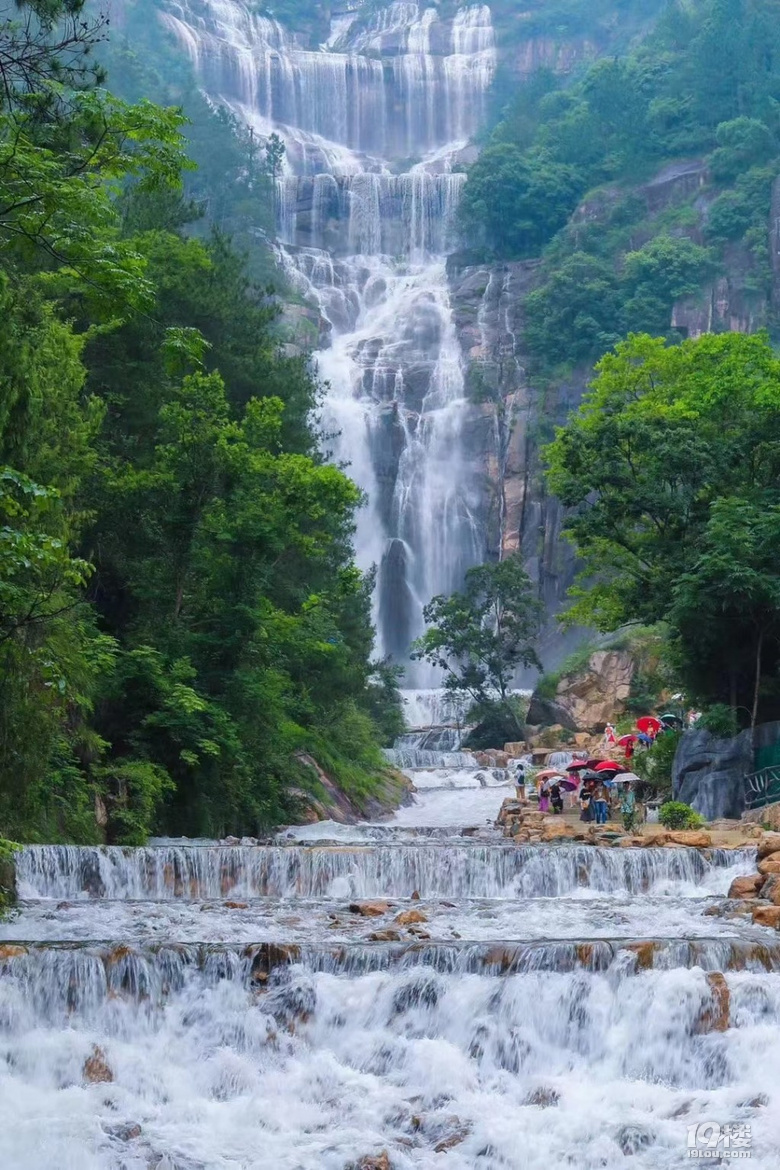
709 773
588 699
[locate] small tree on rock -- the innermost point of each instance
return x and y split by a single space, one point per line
479 637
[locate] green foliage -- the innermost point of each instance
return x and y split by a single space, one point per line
182 627
495 723
676 815
671 465
617 260
719 720
519 200
654 766
479 637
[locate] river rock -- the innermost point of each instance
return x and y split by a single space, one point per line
96 1068
714 1016
770 865
386 935
709 773
768 844
767 916
369 909
408 917
557 830
633 1138
695 838
373 1162
771 890
543 1096
746 887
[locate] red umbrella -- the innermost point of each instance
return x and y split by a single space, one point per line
575 765
609 766
626 739
649 724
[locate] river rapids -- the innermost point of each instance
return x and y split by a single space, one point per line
194 1006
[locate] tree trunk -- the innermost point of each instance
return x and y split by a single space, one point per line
757 683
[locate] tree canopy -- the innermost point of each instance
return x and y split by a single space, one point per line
182 627
671 469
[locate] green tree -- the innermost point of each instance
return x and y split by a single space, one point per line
672 448
480 637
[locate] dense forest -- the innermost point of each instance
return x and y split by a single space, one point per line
670 467
560 177
182 627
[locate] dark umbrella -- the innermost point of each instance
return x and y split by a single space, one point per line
569 785
576 765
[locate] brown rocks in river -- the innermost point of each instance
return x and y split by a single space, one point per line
771 889
556 830
695 838
714 1016
373 1162
11 951
770 865
407 917
369 909
767 916
387 935
452 1140
746 887
96 1068
769 843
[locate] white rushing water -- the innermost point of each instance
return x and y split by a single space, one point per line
375 121
542 1005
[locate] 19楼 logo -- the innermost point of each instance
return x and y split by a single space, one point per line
710 1140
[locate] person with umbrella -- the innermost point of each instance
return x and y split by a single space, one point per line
556 796
601 803
586 797
627 805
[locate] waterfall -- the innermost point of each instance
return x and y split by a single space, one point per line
374 121
485 871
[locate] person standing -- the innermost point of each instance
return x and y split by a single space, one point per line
520 781
544 796
628 807
556 796
601 804
586 811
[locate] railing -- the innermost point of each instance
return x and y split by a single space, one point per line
762 787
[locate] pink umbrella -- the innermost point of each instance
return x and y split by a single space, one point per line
548 773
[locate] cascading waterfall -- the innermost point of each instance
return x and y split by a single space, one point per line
374 121
459 871
298 1029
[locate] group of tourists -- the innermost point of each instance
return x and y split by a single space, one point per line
598 801
600 787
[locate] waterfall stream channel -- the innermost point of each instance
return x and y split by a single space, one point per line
200 1005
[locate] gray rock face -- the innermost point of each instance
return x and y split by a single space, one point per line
708 773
